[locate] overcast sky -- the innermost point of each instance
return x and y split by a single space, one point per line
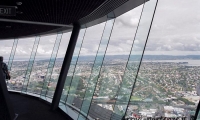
175 31
176 28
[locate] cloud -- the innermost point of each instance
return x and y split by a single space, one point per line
84 51
167 47
136 41
129 19
20 50
175 30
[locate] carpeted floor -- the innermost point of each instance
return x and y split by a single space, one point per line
30 108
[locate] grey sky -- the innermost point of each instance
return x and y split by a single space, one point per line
175 28
175 31
92 39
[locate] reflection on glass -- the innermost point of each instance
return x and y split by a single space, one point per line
84 65
72 65
126 86
30 64
47 78
96 68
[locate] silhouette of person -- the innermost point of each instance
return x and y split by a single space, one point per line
4 68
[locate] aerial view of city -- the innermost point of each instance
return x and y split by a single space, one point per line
37 76
166 86
104 59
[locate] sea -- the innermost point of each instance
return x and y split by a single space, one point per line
189 62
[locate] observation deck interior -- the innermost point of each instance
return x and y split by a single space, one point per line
101 59
32 108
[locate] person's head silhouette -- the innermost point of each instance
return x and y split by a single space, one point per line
1 59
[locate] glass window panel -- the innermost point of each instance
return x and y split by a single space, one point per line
124 91
30 65
51 65
72 65
40 65
84 64
170 63
58 63
114 64
20 63
96 68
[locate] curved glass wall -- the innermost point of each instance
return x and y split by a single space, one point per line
107 72
168 81
25 59
84 64
132 66
31 54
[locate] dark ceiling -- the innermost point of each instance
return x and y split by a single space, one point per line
52 11
36 17
16 30
47 11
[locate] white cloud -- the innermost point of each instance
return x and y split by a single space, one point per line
136 41
84 51
175 30
20 50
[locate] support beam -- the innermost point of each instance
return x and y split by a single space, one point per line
197 112
35 23
65 67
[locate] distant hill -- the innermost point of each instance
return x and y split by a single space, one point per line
136 57
133 57
171 57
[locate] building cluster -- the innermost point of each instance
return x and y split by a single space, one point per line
167 89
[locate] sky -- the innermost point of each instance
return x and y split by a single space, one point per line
176 28
175 31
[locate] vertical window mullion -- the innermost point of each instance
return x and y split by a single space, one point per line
12 54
